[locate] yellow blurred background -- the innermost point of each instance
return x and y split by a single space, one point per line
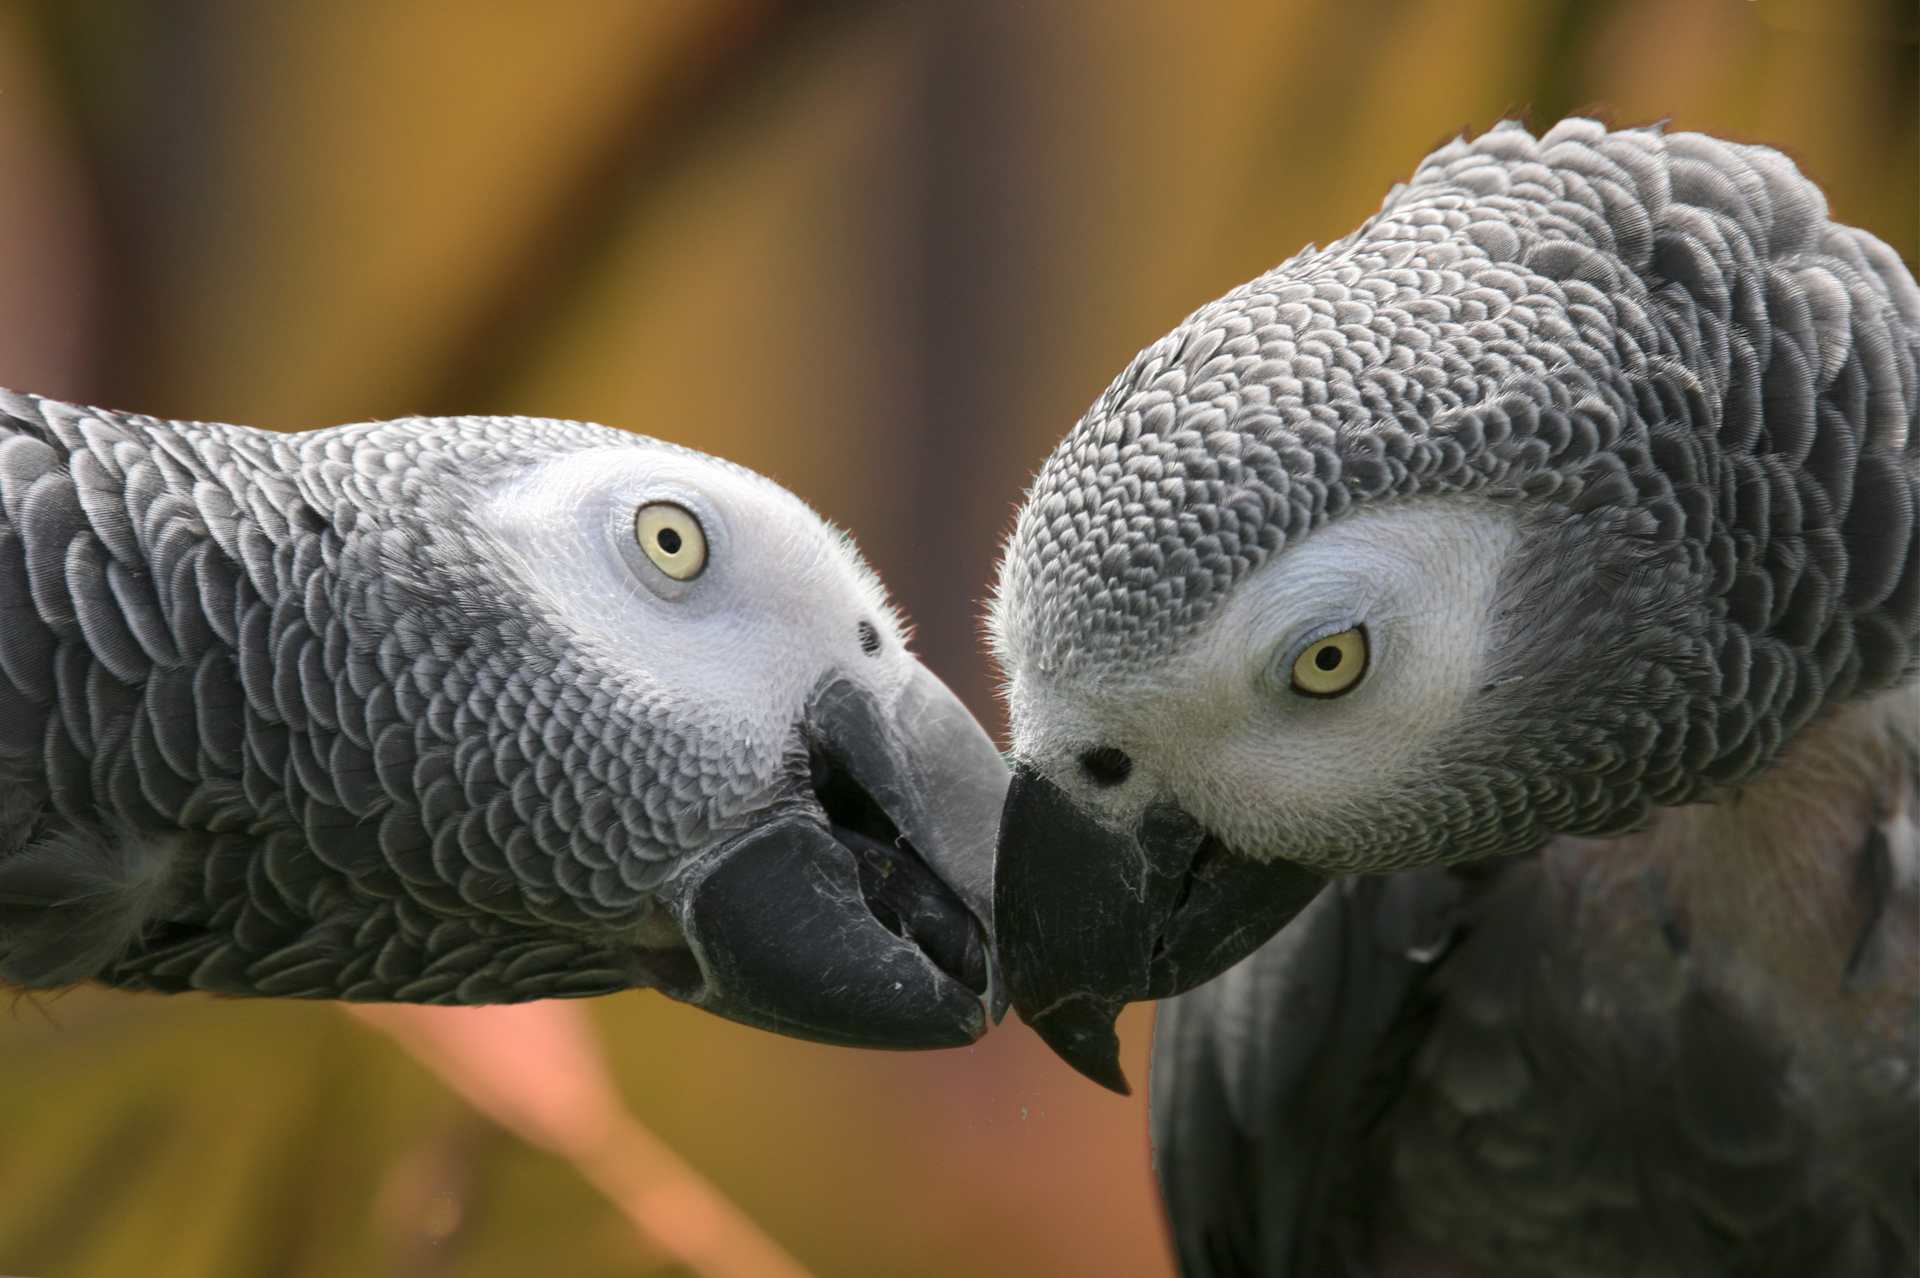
884 252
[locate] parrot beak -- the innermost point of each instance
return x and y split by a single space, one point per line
1088 919
858 914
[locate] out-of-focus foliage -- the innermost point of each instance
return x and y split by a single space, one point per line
886 253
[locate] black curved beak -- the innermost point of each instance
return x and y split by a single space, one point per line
1088 919
859 914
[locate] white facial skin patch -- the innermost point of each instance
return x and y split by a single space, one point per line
1219 727
778 602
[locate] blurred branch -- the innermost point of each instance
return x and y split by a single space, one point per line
670 120
538 1071
87 60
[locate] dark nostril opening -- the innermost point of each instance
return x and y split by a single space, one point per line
1106 766
869 638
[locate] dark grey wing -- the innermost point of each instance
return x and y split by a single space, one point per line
1264 1080
122 595
1619 1076
237 751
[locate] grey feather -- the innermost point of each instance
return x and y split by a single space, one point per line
239 756
1568 1086
1264 1079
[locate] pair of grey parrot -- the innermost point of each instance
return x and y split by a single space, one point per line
1477 660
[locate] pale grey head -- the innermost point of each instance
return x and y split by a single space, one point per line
1575 482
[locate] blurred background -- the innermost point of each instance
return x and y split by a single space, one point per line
884 252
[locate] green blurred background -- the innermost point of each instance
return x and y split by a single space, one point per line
883 252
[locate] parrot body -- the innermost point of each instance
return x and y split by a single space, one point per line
1594 1060
414 711
1551 542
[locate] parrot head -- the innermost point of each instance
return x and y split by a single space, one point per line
1388 558
809 810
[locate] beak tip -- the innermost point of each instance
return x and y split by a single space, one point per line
1102 1068
1114 1080
1081 1033
967 1031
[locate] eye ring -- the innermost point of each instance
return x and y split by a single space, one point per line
1332 666
672 539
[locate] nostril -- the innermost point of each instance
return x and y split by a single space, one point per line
1105 766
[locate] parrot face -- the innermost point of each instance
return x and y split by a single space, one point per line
1537 503
1330 689
832 801
472 710
1407 684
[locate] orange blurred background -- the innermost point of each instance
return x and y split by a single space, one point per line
885 253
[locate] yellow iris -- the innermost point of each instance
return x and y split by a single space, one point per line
672 539
1331 666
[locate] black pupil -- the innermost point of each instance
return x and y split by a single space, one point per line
1328 658
869 638
668 540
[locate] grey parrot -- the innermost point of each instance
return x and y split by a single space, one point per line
1518 603
471 710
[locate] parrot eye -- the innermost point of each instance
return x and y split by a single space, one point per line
1331 666
672 539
